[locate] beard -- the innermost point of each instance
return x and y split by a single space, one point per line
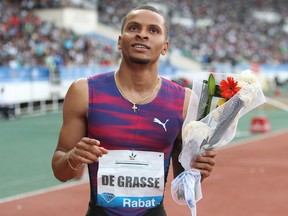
139 60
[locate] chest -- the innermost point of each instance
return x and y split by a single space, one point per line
152 127
119 127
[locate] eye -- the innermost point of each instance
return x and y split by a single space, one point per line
133 28
154 30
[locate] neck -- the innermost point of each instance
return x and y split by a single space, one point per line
138 68
137 78
137 91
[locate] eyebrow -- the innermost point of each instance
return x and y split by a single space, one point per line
132 23
150 25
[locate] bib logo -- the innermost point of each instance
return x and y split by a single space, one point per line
132 156
108 197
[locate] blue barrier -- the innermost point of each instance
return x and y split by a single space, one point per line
265 68
72 73
24 74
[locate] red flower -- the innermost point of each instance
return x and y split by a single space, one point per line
229 88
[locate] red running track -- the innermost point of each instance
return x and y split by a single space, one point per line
249 179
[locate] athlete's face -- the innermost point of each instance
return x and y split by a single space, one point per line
143 38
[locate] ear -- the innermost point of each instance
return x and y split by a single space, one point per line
165 48
119 43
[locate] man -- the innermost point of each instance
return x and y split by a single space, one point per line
6 109
131 112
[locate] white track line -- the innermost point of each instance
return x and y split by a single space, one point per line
256 139
82 181
277 103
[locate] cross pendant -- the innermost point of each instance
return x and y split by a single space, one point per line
134 107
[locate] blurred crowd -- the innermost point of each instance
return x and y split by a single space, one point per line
28 41
230 33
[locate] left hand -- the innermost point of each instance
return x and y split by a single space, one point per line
205 163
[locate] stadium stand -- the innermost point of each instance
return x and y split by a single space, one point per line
221 31
210 35
29 41
222 36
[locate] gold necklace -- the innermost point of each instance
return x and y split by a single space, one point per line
134 107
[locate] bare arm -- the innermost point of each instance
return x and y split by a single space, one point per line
72 135
177 167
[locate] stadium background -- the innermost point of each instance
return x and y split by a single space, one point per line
47 44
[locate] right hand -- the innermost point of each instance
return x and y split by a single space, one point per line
87 151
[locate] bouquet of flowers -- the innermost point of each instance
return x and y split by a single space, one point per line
217 102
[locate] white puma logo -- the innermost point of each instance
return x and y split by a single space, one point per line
156 120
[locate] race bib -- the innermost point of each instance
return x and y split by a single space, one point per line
131 179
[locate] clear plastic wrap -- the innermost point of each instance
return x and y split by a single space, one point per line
204 131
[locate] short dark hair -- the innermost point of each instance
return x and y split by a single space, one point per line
150 8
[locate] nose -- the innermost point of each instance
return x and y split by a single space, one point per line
143 35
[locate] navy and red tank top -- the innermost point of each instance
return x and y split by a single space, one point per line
153 127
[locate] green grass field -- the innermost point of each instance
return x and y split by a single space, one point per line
28 143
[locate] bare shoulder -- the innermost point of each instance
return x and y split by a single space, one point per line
80 84
77 96
186 101
187 92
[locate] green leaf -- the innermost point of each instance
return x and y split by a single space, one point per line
211 85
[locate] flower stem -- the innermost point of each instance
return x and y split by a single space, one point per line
208 107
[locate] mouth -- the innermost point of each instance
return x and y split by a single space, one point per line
140 46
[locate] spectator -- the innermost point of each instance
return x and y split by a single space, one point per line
231 34
7 110
28 41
